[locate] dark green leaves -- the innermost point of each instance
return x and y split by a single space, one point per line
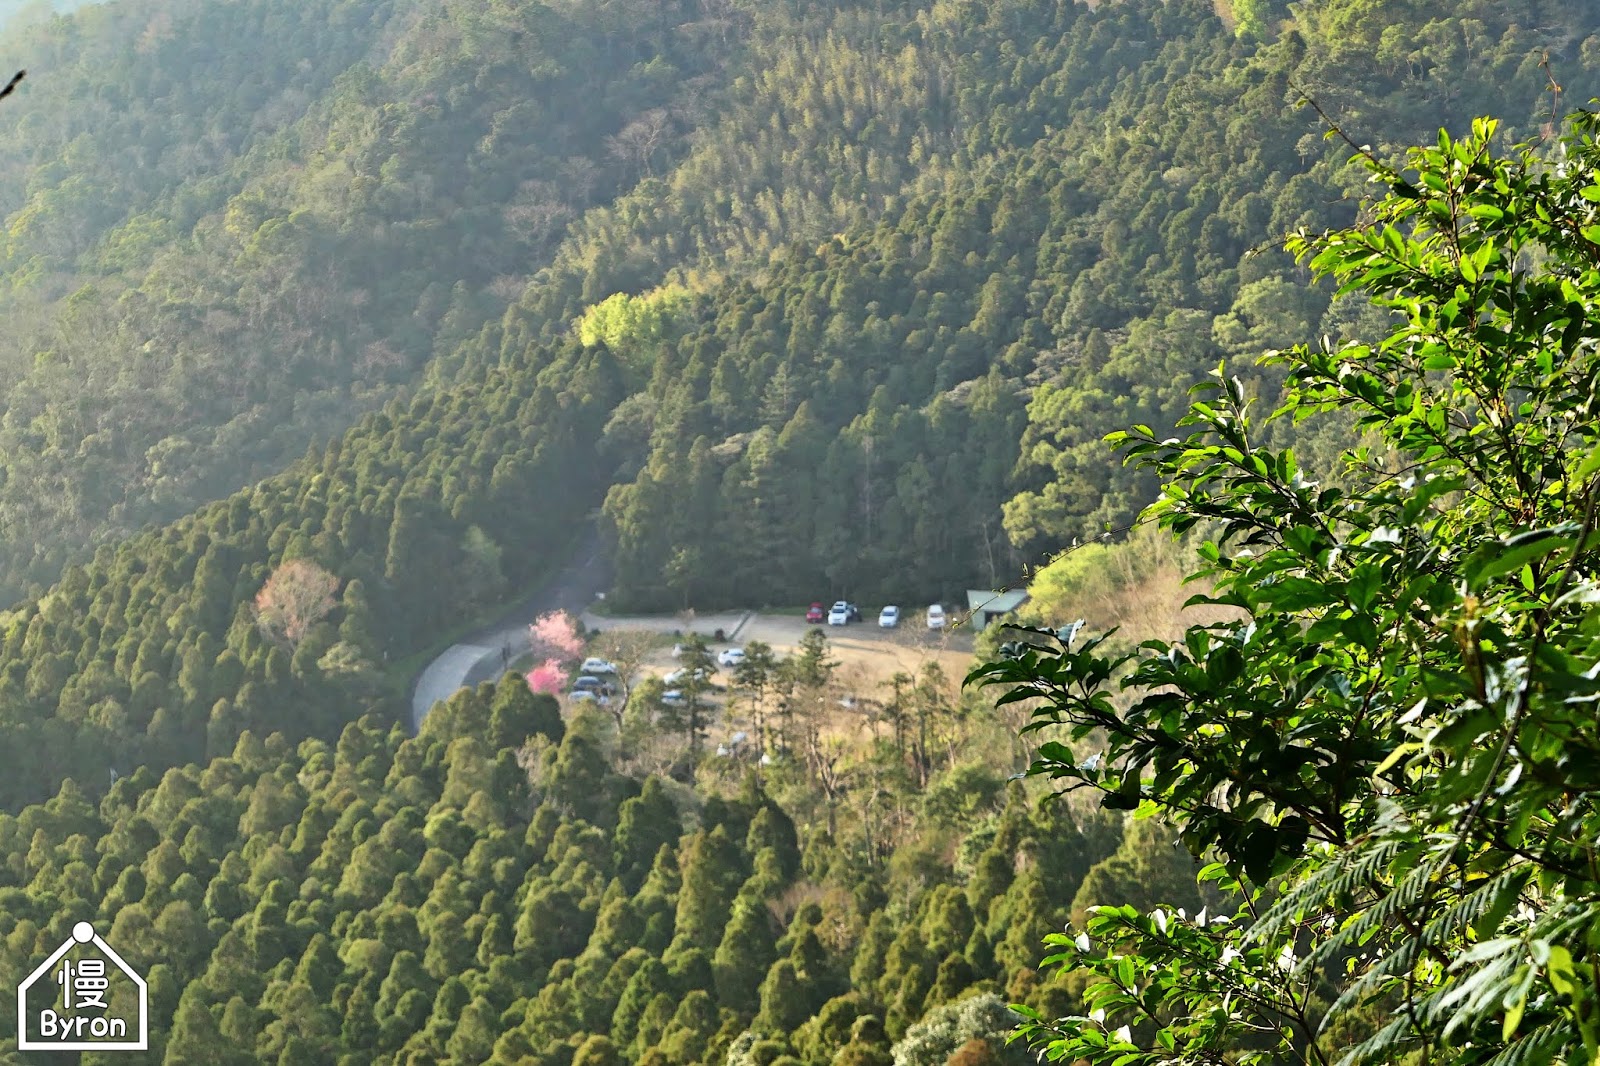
1392 746
1534 546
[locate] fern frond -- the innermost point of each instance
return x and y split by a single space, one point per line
1549 1045
1388 1044
1341 876
1395 964
1374 919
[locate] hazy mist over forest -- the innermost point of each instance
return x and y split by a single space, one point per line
20 12
515 518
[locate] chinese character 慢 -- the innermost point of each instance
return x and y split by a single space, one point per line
91 983
88 980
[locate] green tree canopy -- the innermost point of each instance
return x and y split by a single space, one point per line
1389 750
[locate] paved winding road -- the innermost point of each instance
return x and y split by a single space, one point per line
480 656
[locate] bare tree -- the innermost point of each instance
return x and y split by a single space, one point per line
378 357
580 176
538 210
627 650
825 760
507 287
637 143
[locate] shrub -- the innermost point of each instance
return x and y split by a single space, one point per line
946 1029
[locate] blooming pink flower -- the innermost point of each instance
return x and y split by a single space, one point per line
555 636
548 677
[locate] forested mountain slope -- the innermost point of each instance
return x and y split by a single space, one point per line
852 423
385 899
232 226
899 267
17 12
898 410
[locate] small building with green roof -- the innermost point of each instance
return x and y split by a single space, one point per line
985 606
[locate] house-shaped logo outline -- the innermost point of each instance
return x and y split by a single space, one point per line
143 1041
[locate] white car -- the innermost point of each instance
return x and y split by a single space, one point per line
839 614
597 666
889 617
731 657
935 617
679 675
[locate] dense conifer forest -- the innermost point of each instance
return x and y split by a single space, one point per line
335 324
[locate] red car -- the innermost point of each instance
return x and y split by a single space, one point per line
815 613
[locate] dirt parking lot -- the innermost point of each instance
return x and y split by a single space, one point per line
867 654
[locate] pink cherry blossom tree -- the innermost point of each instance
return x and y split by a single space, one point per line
548 678
297 596
555 637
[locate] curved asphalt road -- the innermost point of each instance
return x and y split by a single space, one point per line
479 657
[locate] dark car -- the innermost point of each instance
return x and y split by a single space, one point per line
855 613
815 614
592 684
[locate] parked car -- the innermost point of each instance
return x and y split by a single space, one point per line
889 617
935 617
730 657
839 615
678 676
587 682
814 613
855 612
598 666
588 696
672 696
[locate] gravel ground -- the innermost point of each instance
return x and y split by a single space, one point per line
866 653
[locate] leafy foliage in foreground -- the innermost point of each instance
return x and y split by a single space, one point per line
1393 753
